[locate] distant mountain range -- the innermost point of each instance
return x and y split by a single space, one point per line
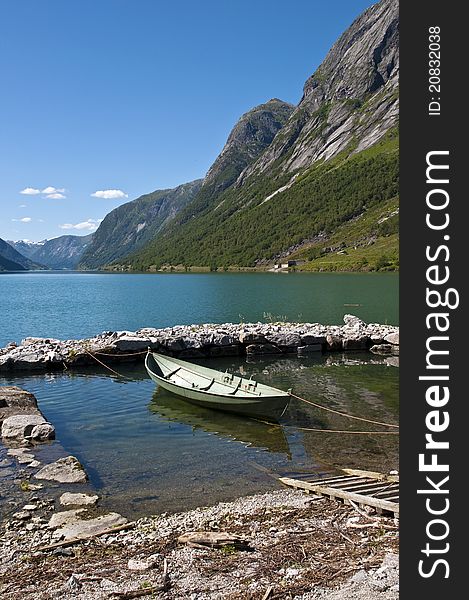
315 183
63 252
12 260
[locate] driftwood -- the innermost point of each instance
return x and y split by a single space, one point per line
84 538
268 593
213 539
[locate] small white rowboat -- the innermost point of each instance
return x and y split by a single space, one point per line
217 390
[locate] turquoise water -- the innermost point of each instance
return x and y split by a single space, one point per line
77 305
147 451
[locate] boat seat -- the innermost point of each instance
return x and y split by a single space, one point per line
207 386
172 373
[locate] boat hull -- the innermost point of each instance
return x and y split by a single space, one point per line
269 408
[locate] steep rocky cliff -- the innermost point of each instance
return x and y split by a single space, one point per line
333 161
349 102
251 135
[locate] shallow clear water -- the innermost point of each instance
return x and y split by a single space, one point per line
78 305
148 452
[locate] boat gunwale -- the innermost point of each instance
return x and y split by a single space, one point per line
253 398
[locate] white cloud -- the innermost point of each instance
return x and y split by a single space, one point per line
23 206
110 194
56 196
89 225
52 190
29 191
23 220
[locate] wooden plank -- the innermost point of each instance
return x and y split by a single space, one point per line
335 493
368 488
342 484
387 494
328 479
371 474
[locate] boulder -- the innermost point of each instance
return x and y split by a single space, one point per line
64 470
353 321
285 339
21 427
43 432
361 342
223 339
77 527
334 343
252 337
191 342
132 344
65 517
175 344
381 349
71 499
29 361
262 349
14 401
392 338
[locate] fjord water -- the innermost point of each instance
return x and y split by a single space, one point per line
147 451
78 305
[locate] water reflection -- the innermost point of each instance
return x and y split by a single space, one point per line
148 451
264 436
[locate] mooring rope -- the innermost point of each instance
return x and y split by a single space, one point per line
120 355
342 414
106 366
350 431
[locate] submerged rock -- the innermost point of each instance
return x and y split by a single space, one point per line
64 470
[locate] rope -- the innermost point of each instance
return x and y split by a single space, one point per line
119 354
342 414
327 430
106 367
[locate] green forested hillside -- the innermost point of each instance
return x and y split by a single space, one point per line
246 229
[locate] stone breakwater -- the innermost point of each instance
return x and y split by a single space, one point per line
201 341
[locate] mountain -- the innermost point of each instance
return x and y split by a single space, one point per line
332 160
12 260
131 225
26 247
251 135
62 252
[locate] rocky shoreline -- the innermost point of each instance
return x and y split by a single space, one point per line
57 542
283 544
201 341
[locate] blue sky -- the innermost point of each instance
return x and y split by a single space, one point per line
124 97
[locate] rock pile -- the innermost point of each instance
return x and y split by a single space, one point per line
200 341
